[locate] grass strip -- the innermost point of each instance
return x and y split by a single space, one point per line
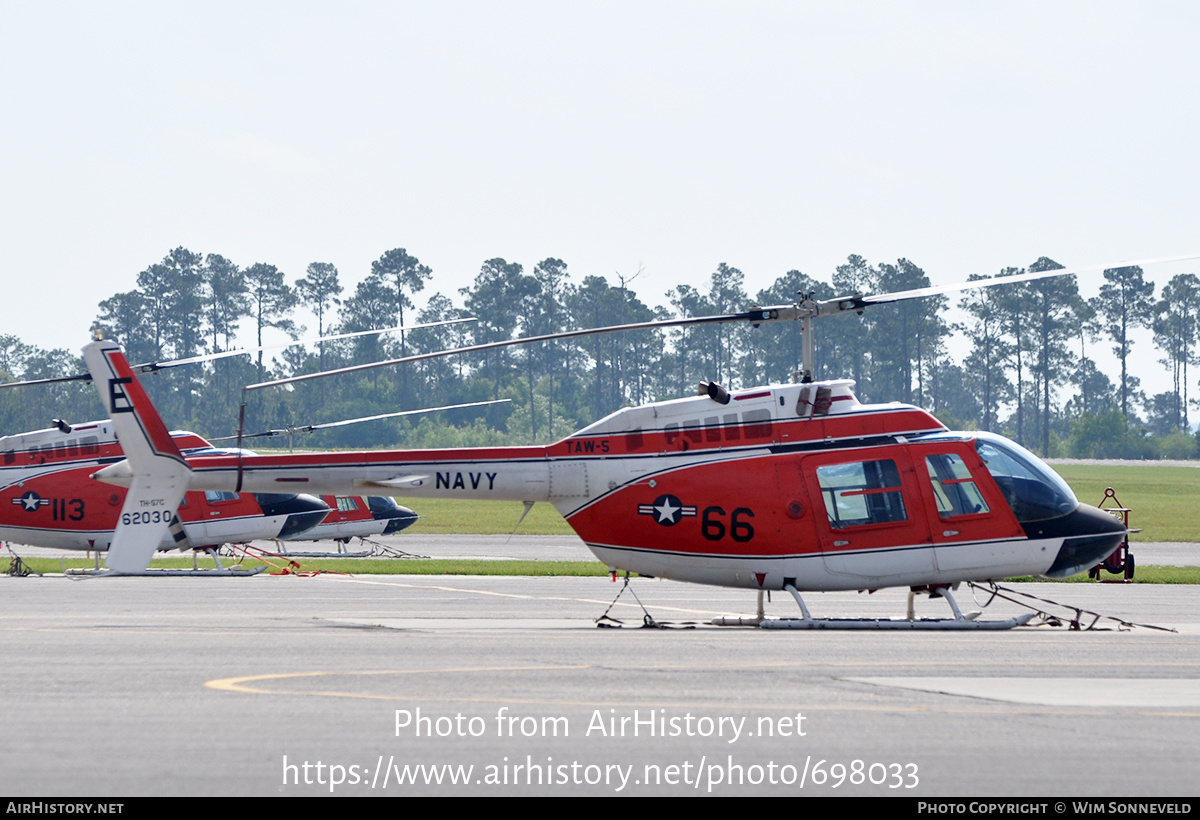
456 516
1162 499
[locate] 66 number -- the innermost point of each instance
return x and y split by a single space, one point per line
713 525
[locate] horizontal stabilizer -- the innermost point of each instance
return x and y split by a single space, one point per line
392 483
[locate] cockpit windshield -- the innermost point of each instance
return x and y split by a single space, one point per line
1032 490
382 504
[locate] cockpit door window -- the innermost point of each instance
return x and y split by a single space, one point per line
954 489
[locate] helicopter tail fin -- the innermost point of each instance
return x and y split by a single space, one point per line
155 471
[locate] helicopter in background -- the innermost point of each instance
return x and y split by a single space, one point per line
47 498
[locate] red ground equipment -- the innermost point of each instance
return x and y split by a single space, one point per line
1121 560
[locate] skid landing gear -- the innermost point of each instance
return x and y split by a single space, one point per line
959 621
341 551
220 569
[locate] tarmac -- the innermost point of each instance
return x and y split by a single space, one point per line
386 685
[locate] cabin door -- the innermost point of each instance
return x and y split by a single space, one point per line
869 517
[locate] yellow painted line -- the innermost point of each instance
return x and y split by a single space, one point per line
238 684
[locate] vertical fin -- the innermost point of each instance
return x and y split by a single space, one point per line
160 473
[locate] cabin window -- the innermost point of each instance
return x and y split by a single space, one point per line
758 423
733 431
216 497
671 432
346 504
953 486
712 428
862 492
691 430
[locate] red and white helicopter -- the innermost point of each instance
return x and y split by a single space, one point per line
357 516
350 517
48 499
788 487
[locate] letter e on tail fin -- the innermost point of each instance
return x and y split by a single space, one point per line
160 474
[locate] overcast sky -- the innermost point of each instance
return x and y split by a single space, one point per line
662 136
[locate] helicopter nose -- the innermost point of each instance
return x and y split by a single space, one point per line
303 511
1091 536
400 518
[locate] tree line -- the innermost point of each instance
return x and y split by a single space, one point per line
1021 367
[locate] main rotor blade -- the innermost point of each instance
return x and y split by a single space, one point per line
153 367
80 377
208 357
756 316
408 413
308 428
937 290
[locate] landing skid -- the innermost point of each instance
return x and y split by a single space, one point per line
286 553
377 550
220 570
892 623
959 621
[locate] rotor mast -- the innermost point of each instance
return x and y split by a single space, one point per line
807 310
